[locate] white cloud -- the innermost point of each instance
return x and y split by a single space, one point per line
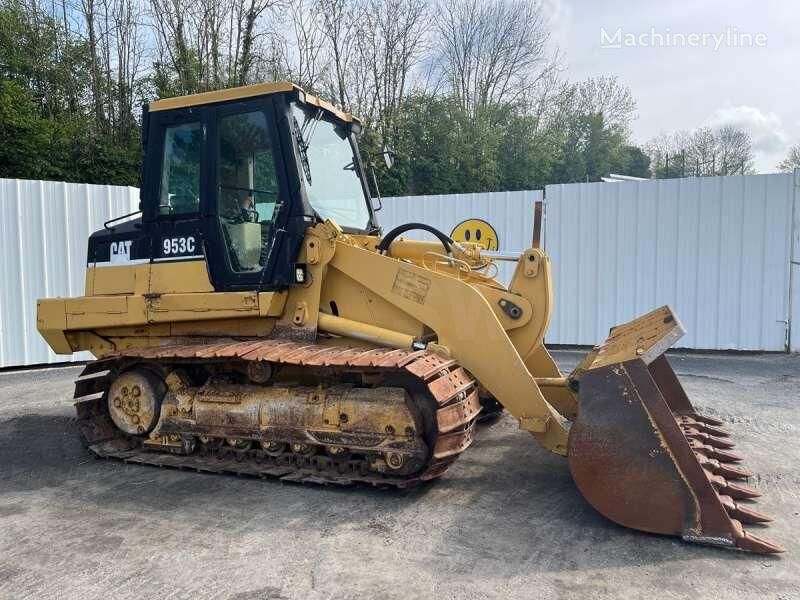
559 18
770 140
765 129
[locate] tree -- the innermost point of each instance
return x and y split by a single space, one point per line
177 66
636 162
591 149
734 152
528 153
191 54
23 134
390 40
792 160
704 152
607 96
308 62
467 93
491 52
339 28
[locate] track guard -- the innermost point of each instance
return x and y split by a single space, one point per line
642 456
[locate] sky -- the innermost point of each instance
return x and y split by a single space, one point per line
693 63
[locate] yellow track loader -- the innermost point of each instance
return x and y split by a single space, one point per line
252 319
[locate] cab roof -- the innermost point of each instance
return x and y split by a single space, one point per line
249 91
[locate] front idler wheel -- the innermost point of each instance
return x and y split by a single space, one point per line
134 401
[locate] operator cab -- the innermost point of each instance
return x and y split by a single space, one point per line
235 177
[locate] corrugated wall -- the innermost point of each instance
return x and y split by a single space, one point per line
44 228
717 249
794 297
510 213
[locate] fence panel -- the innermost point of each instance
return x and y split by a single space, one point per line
794 316
720 250
44 230
716 248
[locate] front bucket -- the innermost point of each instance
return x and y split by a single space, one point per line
640 453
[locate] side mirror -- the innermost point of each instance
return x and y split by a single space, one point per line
388 156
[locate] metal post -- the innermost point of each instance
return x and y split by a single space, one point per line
537 224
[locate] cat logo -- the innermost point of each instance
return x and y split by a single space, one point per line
121 252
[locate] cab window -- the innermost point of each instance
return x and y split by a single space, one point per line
330 166
247 189
180 170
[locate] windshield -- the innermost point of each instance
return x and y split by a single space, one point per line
329 169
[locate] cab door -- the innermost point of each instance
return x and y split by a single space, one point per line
248 200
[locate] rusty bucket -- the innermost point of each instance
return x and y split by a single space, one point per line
641 454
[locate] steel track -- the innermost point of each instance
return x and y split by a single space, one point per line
448 385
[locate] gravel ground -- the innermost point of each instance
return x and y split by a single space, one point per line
505 522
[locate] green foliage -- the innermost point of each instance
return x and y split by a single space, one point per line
47 129
529 156
592 149
52 125
637 163
22 133
64 149
439 149
101 160
36 52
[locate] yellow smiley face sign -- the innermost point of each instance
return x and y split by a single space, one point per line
476 231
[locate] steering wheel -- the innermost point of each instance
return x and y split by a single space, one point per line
241 214
387 240
245 215
252 215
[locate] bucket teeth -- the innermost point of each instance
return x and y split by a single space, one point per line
724 456
753 543
743 513
707 420
712 450
734 490
731 472
740 491
685 421
717 431
711 440
748 515
719 468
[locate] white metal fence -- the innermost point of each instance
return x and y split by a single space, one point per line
717 249
794 273
725 252
44 230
